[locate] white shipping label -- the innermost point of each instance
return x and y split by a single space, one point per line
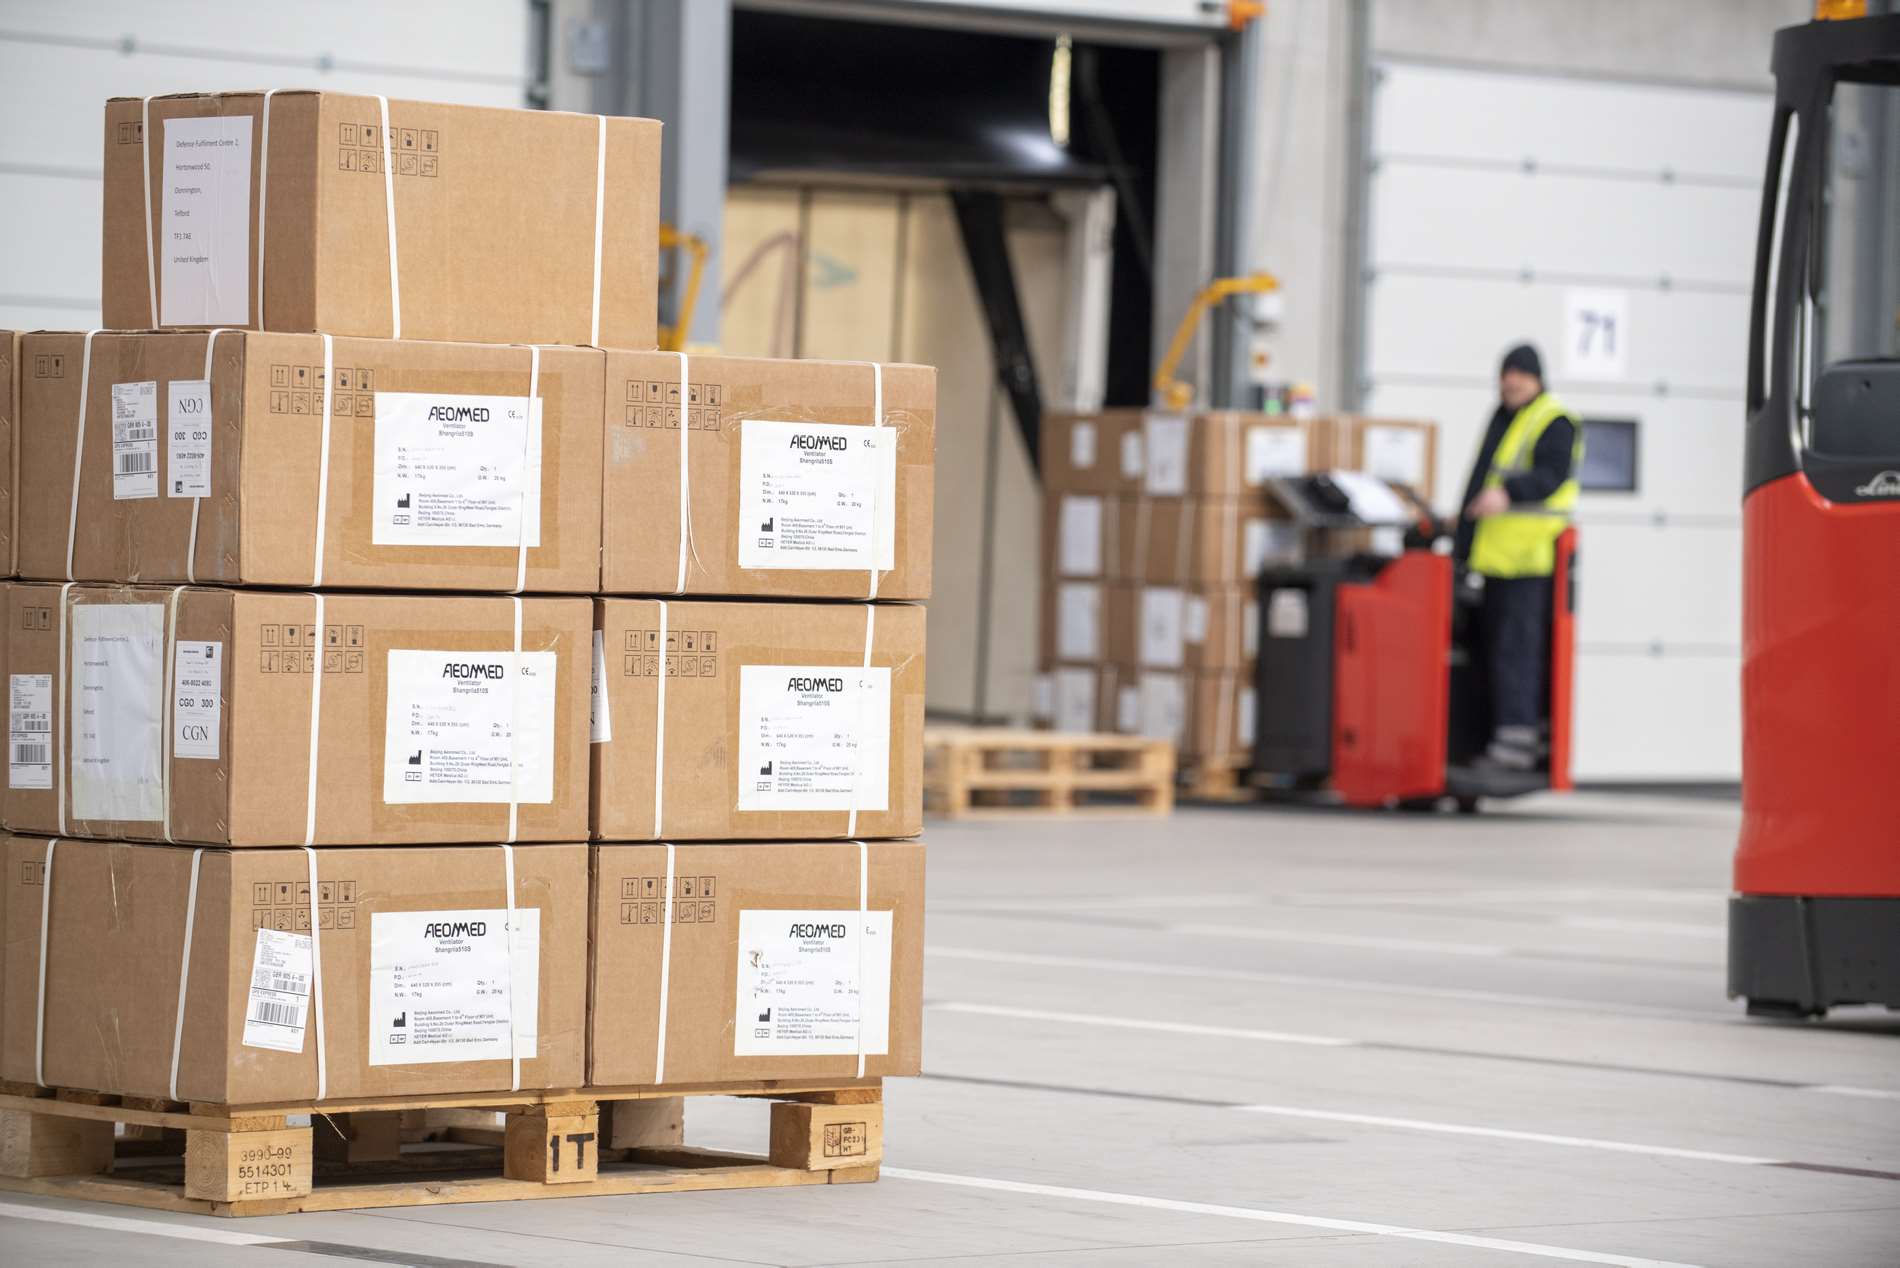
465 727
1163 627
118 706
457 470
1247 719
188 438
1042 698
1249 627
1165 438
600 715
1075 699
453 985
1127 709
1253 546
1078 621
1395 454
810 985
204 234
1195 625
30 731
1131 455
814 737
197 698
135 440
1388 540
1163 707
1274 451
1082 446
278 1007
817 495
1080 546
1286 614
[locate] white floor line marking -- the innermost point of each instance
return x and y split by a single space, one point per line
1618 924
1340 984
1842 1089
1249 933
1277 1217
119 1224
1466 897
1502 1133
1167 1027
978 905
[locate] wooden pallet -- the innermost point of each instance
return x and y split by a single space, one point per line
977 773
1217 781
427 1151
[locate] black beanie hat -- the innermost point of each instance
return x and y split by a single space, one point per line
1524 357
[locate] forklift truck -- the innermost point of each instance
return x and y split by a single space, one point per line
1370 679
1814 918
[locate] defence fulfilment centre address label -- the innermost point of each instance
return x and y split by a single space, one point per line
817 495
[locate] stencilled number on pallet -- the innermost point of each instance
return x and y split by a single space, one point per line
578 1140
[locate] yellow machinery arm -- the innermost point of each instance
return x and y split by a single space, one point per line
673 338
1173 393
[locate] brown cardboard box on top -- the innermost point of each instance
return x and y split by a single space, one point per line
432 450
1194 627
766 721
421 698
406 220
1398 451
114 931
785 487
760 937
1219 453
13 374
1163 541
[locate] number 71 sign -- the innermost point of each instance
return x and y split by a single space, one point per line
1596 334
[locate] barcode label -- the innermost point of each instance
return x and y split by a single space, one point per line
280 991
30 731
135 440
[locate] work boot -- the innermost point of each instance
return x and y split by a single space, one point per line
1512 748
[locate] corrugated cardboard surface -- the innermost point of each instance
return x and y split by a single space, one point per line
1164 541
257 791
13 375
495 218
713 884
1350 451
641 548
1194 627
1220 453
1208 715
115 939
709 645
258 526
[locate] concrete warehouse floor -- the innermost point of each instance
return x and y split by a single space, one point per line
1243 1036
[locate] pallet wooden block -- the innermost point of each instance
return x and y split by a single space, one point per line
976 773
253 1160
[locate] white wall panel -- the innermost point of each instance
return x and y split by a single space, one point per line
1658 717
1676 588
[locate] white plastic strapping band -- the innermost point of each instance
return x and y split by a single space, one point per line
600 214
864 903
316 963
389 203
659 732
263 197
666 964
316 729
39 1015
877 485
686 488
211 415
857 736
514 732
167 703
79 448
63 741
323 463
184 969
147 151
514 1017
527 443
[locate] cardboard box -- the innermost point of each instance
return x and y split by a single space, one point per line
1221 453
1201 627
13 374
509 226
762 960
1209 716
785 489
1395 450
775 724
1164 541
432 451
114 934
418 704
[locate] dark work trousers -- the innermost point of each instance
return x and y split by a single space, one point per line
1517 649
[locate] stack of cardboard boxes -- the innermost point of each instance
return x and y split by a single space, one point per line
1155 529
381 722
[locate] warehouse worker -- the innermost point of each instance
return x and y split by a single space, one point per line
1522 490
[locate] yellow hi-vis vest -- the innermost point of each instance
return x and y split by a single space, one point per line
1522 542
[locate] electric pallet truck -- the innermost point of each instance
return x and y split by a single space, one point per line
1814 920
1370 679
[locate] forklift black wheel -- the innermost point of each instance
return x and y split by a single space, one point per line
1418 805
1467 805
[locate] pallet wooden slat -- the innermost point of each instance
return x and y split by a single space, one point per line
977 773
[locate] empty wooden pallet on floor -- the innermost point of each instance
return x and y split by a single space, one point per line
975 773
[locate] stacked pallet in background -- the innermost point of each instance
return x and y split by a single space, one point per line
467 808
1155 528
